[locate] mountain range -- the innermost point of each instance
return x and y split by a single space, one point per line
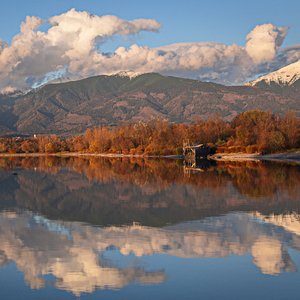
71 107
285 81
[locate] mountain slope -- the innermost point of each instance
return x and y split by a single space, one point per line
72 107
285 81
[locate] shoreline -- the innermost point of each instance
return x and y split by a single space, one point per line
280 157
89 154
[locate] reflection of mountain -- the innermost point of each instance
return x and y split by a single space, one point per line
81 257
151 193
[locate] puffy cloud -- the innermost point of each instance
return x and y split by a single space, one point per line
30 24
292 53
294 47
8 90
194 60
78 30
72 36
264 42
72 45
182 58
3 44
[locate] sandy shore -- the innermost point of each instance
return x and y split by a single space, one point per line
284 157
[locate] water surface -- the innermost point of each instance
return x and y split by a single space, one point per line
142 229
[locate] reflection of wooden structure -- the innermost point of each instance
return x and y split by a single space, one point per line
198 165
195 151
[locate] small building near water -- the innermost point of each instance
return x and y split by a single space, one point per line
194 151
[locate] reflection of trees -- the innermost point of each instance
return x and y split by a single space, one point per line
253 179
153 192
264 180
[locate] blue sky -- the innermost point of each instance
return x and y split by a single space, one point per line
225 22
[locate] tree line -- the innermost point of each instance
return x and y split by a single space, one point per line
250 132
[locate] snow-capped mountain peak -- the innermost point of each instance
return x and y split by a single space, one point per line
129 74
66 78
284 76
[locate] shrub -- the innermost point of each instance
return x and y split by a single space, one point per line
263 149
220 143
221 150
232 149
179 151
112 151
2 148
240 149
166 152
133 151
252 149
230 142
140 150
148 148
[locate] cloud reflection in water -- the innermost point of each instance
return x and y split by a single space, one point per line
80 259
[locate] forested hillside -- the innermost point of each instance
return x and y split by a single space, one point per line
73 107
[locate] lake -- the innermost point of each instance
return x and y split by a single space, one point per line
112 228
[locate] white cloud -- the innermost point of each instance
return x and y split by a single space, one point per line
30 24
292 53
73 42
264 42
72 37
8 90
3 44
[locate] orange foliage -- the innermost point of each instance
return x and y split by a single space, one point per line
248 132
254 179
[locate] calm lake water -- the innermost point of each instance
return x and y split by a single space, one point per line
148 229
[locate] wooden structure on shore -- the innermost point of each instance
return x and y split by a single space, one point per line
195 151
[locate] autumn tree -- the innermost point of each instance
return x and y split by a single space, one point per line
79 144
30 146
48 144
289 126
99 139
